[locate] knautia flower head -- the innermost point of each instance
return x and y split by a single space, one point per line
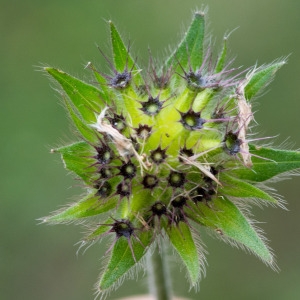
167 150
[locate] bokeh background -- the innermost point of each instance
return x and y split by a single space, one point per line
39 261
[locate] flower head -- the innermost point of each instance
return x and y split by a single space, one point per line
166 152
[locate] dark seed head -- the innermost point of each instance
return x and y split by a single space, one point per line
152 106
179 202
192 120
158 209
104 154
123 228
185 152
150 181
202 194
209 181
143 131
176 179
120 80
196 81
124 189
118 122
128 170
105 173
158 155
232 144
104 189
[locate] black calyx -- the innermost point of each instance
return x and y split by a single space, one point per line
128 170
104 154
152 106
143 131
106 172
158 209
120 80
184 152
124 189
118 122
158 155
192 120
104 189
123 228
208 180
179 202
176 179
201 194
150 181
205 192
196 81
232 144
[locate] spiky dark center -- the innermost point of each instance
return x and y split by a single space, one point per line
158 155
128 170
152 106
150 181
118 122
104 154
120 80
192 120
124 189
176 179
104 189
105 172
158 209
179 202
123 228
143 131
197 82
232 144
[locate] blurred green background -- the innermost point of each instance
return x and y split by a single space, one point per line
40 262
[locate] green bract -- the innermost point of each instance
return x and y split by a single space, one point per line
165 151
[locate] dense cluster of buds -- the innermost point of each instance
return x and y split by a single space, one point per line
167 151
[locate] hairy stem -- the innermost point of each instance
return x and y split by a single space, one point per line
158 275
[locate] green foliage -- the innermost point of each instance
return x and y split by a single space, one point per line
181 238
165 153
190 51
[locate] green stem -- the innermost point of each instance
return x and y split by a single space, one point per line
158 275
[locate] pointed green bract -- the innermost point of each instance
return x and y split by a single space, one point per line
228 221
122 260
89 206
184 244
244 190
222 57
270 163
77 158
86 98
86 131
121 55
260 78
106 93
190 50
